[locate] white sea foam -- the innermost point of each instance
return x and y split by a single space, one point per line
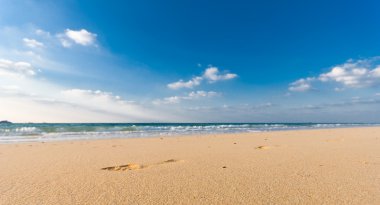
50 132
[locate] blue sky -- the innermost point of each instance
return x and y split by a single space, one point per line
189 61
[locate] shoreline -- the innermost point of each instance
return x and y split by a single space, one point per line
313 166
188 135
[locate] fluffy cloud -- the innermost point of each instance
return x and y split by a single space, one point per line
43 33
15 69
301 85
211 74
190 96
168 100
81 37
90 94
32 43
188 84
201 93
352 74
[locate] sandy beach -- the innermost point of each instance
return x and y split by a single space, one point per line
331 166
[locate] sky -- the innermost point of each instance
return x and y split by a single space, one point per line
190 61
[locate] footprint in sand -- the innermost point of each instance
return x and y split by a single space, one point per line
124 167
370 163
138 166
263 147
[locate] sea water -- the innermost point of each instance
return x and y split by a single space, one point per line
41 132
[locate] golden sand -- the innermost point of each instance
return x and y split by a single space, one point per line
334 166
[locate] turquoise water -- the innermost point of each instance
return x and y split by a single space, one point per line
29 132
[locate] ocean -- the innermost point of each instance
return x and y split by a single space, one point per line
44 132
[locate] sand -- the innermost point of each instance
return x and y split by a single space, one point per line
332 166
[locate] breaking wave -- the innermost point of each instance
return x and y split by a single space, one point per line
25 132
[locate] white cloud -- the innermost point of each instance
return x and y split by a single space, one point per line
348 75
301 85
65 43
376 72
352 74
26 98
41 32
32 43
72 105
201 93
9 89
112 105
212 74
190 96
100 100
90 94
27 95
16 69
188 84
81 37
168 100
240 108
